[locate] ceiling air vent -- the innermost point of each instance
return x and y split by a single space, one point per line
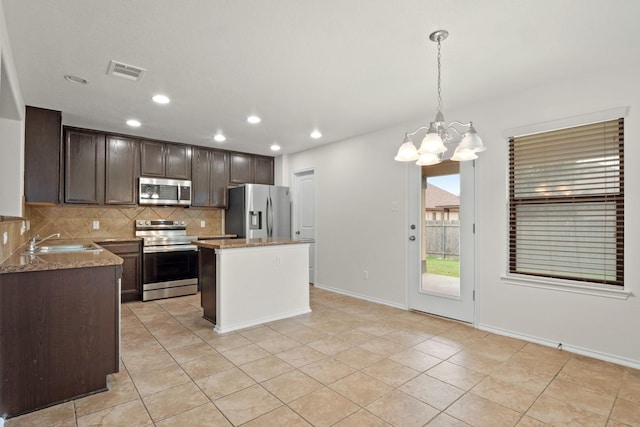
129 72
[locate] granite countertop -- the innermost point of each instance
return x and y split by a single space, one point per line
217 236
18 262
119 240
247 243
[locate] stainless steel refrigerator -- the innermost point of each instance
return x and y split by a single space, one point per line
257 210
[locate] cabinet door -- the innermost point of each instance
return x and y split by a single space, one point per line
200 177
178 161
263 170
121 171
131 289
241 168
84 167
131 283
152 158
219 178
43 131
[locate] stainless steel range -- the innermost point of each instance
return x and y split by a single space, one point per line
170 261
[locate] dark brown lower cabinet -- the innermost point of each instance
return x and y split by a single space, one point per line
207 282
59 335
131 254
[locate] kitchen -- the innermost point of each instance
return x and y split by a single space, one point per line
567 90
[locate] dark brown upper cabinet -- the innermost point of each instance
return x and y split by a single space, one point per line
84 160
219 178
250 169
209 177
166 160
263 170
42 148
241 168
121 170
152 158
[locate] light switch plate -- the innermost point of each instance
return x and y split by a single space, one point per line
202 224
5 238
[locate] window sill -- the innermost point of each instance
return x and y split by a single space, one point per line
606 291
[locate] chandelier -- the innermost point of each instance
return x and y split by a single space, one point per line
439 132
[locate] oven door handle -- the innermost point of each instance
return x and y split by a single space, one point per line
175 248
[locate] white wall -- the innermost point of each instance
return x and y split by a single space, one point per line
11 130
11 167
357 181
597 325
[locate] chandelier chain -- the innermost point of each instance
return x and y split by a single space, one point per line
439 90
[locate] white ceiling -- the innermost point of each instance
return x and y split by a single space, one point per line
345 67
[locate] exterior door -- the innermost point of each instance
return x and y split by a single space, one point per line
304 214
462 307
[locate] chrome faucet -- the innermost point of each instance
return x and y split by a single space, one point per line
33 244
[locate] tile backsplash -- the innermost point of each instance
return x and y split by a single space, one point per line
11 226
115 222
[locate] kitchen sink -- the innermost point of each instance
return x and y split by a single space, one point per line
53 248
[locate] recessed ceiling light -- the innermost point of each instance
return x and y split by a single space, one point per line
133 123
275 147
75 79
316 134
254 119
161 99
220 137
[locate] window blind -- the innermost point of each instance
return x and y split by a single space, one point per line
566 203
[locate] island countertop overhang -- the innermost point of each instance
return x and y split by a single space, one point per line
248 243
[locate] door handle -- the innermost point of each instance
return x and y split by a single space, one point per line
412 238
298 232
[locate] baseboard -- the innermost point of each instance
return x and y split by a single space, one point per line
635 364
360 296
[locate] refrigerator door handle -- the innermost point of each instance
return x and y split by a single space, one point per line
269 217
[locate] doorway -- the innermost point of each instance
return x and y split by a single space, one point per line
433 264
304 214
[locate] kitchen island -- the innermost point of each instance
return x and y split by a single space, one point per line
247 282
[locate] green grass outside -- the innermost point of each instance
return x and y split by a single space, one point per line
443 267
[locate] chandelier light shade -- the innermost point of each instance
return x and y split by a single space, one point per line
441 133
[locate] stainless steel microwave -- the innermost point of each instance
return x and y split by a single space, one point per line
163 191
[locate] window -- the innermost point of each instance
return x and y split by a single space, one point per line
566 203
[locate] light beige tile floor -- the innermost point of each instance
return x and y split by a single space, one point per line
348 363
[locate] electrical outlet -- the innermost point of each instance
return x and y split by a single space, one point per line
203 223
365 275
96 225
23 228
5 238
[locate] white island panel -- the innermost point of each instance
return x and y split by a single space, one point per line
256 285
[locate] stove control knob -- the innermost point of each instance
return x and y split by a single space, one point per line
181 222
147 223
